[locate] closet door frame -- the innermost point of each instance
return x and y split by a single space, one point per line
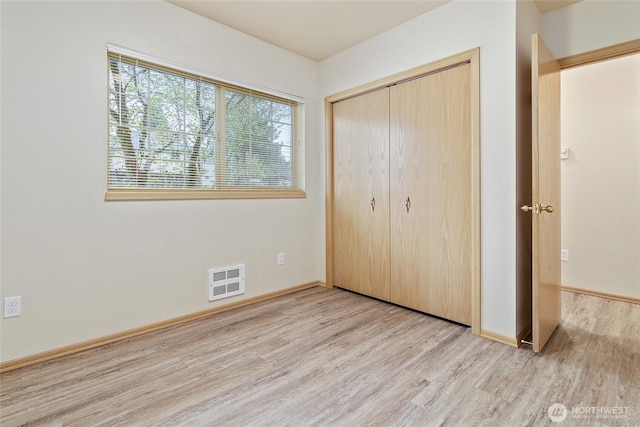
471 57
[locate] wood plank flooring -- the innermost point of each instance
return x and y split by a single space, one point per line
323 357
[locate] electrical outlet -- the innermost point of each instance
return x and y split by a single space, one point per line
564 255
280 258
12 306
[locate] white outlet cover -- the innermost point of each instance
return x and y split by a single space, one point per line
12 307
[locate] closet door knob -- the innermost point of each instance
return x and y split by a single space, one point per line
408 204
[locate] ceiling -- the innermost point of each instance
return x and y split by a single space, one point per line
319 29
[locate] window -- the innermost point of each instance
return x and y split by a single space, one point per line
175 135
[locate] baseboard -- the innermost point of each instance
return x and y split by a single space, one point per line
503 339
86 345
601 294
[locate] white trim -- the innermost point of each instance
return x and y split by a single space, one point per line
222 79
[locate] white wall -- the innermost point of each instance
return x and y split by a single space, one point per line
589 25
1 97
601 178
450 29
86 268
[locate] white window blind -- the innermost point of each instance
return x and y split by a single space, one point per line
174 130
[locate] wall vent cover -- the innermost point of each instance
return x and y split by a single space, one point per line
226 282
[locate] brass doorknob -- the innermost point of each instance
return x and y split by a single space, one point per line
537 208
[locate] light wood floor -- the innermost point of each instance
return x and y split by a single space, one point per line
333 358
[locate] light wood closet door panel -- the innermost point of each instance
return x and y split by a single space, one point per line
431 175
361 193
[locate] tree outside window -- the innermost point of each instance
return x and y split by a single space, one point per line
173 131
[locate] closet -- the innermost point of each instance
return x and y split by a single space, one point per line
403 201
361 194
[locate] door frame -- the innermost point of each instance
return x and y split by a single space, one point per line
582 59
631 47
610 52
472 57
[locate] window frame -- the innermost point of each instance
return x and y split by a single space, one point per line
224 191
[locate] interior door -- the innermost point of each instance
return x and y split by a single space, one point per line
431 204
361 193
546 305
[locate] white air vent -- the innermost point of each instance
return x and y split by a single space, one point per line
226 282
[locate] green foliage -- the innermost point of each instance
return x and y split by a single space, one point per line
162 133
259 134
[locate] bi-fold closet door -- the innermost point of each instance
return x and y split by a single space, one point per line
402 194
361 194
